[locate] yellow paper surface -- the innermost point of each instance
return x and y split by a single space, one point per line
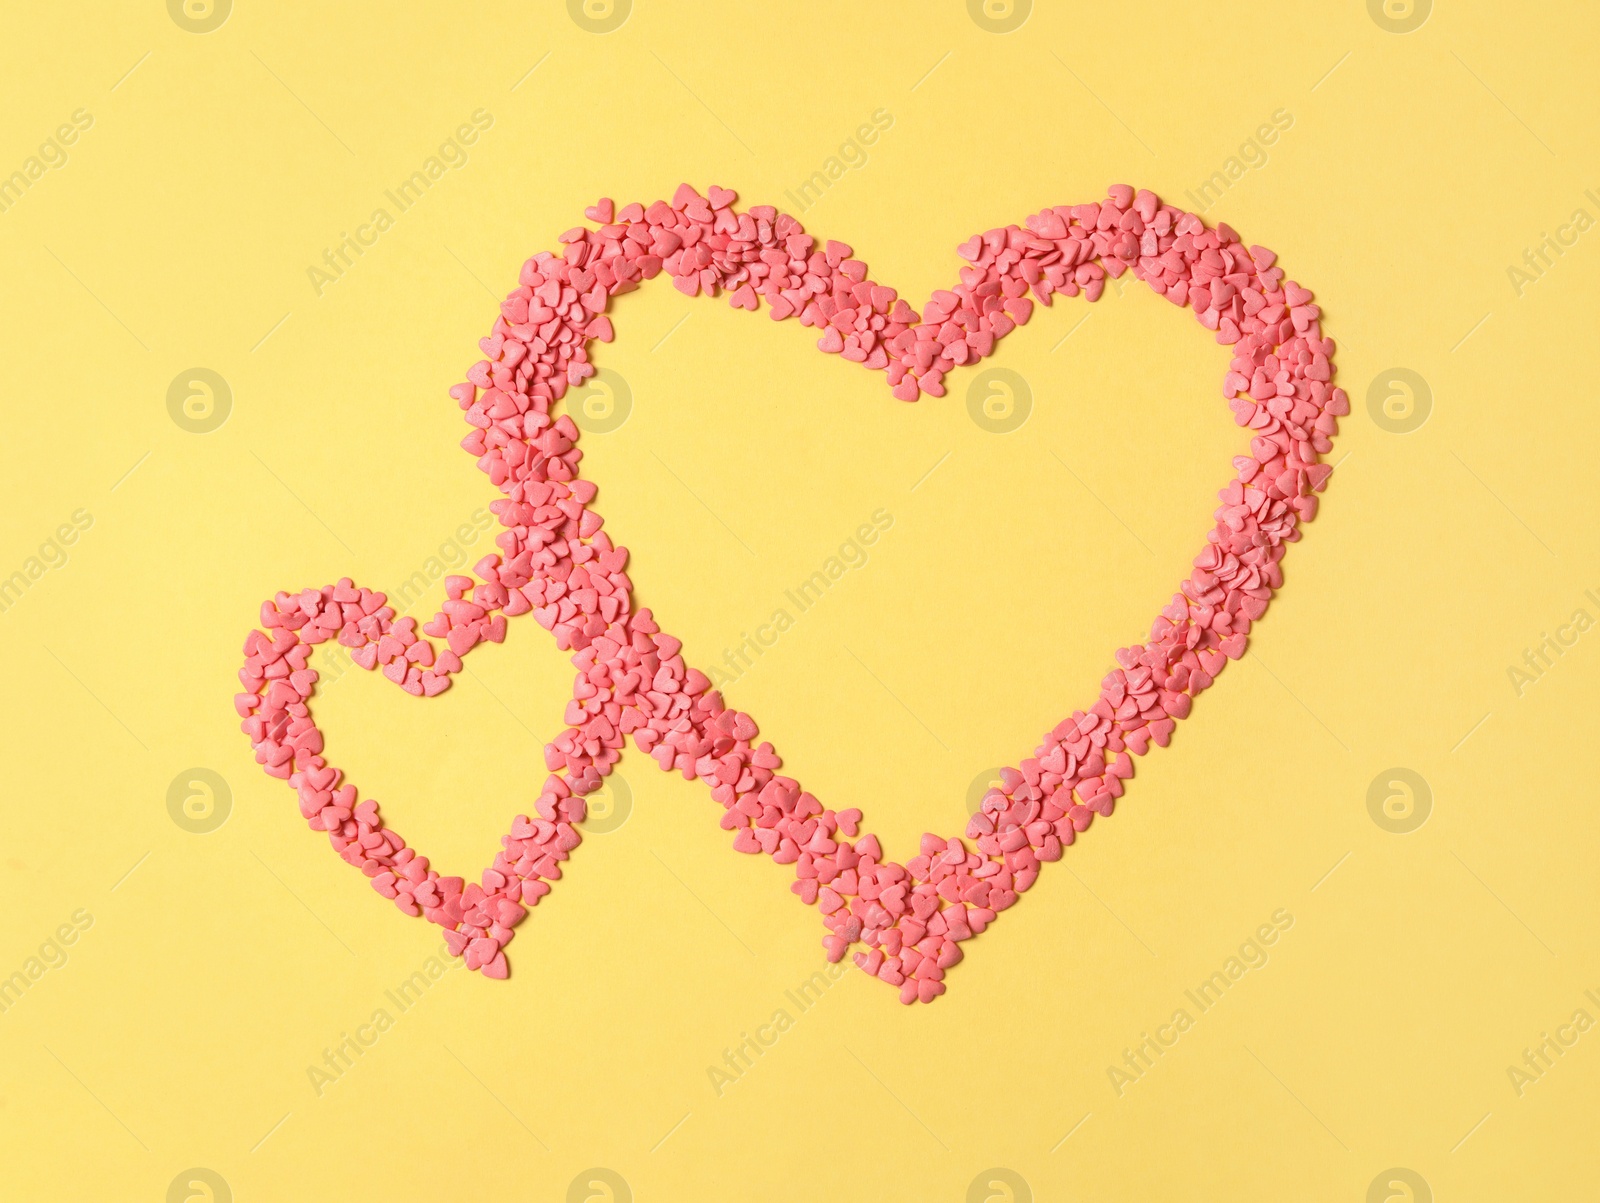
204 404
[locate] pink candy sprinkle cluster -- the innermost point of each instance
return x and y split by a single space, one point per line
556 561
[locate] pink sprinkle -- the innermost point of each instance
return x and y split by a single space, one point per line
556 561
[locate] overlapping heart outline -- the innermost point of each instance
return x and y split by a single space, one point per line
557 562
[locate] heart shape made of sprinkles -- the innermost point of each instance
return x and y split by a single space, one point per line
554 560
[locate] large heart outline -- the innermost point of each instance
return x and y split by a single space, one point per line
556 561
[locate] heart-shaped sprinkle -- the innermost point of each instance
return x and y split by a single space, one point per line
558 562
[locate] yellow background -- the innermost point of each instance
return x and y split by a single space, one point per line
219 966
